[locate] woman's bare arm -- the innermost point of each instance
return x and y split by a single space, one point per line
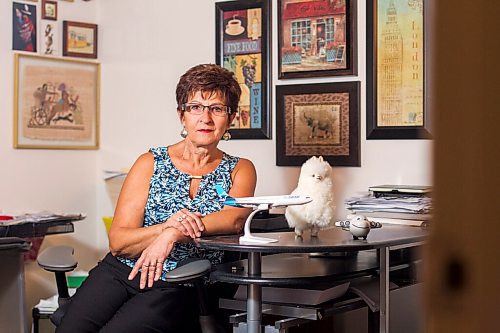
127 236
231 220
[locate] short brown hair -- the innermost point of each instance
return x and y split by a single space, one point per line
209 78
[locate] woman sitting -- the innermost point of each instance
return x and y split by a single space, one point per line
167 199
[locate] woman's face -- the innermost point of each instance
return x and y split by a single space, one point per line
206 128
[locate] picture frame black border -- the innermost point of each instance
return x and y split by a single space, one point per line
36 22
351 54
264 132
374 132
353 88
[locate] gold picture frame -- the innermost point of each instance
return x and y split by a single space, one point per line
56 103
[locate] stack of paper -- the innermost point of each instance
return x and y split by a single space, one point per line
395 204
114 182
40 217
397 209
48 305
51 304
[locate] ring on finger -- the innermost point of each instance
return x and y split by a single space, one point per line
180 219
184 216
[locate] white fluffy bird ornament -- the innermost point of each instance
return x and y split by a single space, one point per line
315 180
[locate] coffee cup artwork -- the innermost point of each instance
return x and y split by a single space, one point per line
234 27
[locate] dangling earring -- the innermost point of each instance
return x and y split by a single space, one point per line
184 133
226 136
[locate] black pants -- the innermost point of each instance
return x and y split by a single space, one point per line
108 302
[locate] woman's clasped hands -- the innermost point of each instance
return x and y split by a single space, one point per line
150 263
187 222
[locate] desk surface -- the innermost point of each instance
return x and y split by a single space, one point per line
299 269
42 227
329 240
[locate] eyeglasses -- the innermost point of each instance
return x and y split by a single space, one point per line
215 109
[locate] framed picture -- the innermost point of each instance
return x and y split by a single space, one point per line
24 27
49 10
50 38
395 106
316 38
243 37
79 39
56 103
318 119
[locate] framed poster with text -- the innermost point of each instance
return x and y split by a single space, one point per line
243 39
396 72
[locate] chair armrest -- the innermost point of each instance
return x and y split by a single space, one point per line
191 270
57 259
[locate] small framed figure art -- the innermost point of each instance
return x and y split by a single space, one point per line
49 32
316 38
24 27
49 10
396 71
318 119
56 103
79 39
243 40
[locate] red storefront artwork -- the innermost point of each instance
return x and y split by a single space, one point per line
316 38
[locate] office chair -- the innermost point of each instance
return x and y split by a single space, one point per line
59 259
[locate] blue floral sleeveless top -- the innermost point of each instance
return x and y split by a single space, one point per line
169 192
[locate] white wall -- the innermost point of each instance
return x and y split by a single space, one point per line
144 47
36 180
145 52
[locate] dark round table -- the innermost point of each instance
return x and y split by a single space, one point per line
333 240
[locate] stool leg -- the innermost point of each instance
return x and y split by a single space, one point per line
35 313
373 321
62 286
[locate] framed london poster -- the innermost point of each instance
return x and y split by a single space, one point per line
318 119
396 71
56 103
243 46
316 38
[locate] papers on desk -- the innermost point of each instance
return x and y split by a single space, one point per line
396 209
296 295
395 204
41 217
108 174
114 182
